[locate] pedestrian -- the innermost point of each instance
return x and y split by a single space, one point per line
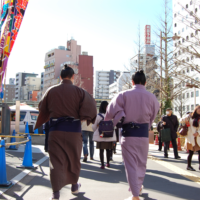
159 128
87 133
65 105
193 135
170 121
114 144
103 143
139 109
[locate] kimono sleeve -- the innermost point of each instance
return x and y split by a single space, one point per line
87 108
115 109
95 125
44 114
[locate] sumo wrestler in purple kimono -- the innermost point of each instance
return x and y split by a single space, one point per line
139 109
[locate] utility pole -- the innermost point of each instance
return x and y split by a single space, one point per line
160 72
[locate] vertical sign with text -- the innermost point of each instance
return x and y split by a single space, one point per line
147 34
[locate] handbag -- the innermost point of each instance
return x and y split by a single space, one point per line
106 128
165 135
151 137
183 130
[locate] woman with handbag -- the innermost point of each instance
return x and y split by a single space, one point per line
193 135
103 142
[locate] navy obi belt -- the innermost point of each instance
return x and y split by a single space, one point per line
135 130
66 124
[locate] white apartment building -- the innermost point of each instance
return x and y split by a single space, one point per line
124 81
21 83
184 23
102 81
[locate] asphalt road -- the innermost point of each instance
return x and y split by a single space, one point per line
165 179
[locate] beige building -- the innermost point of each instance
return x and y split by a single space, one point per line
31 84
56 57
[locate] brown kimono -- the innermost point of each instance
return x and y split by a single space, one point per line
65 144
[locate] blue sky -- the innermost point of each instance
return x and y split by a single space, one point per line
105 29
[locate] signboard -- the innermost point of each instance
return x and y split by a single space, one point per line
147 34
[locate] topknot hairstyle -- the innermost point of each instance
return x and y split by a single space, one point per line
67 72
139 77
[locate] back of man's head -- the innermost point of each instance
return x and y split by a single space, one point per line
139 78
67 72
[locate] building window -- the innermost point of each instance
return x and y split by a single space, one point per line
175 15
196 32
182 29
183 96
175 108
192 35
188 61
183 73
190 2
192 94
188 95
179 42
175 25
183 108
186 6
179 52
187 37
191 24
196 10
179 32
188 108
192 107
175 45
197 93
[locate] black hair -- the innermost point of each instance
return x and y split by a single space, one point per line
169 109
103 106
139 77
67 72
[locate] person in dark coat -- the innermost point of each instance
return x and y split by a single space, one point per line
159 128
171 121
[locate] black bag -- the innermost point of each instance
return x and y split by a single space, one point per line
106 128
165 135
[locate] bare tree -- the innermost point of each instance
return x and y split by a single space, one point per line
180 103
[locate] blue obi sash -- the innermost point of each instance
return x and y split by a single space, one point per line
66 124
135 130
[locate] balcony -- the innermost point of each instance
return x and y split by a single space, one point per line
49 65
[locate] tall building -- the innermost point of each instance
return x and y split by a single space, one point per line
124 81
11 81
9 93
31 84
56 57
86 71
186 26
21 83
102 81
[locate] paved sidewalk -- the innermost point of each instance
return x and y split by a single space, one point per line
163 181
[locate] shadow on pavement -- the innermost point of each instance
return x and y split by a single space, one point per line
169 186
80 196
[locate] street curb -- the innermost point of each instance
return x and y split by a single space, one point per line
24 173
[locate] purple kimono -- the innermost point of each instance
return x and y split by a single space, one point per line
139 108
